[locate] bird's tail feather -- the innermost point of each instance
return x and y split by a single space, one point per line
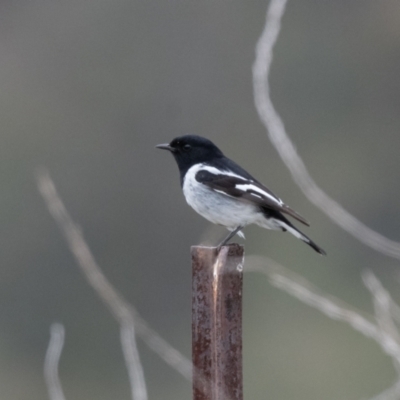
300 235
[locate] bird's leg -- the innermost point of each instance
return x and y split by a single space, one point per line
229 237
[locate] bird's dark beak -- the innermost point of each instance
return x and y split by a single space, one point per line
165 146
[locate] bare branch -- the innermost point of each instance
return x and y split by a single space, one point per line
332 307
286 149
119 308
162 348
132 361
51 361
383 314
395 309
384 333
393 393
127 316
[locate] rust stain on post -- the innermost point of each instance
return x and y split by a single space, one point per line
217 322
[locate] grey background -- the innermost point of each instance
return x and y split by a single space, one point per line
88 88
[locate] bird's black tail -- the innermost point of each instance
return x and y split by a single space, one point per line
280 221
287 226
300 235
314 246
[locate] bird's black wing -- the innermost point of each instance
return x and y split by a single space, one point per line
247 190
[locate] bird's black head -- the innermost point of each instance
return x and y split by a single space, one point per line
189 150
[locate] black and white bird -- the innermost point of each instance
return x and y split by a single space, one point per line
225 194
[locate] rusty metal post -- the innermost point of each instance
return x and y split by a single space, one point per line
217 322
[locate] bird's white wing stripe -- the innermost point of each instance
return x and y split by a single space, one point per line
222 192
295 233
244 186
191 173
249 186
217 171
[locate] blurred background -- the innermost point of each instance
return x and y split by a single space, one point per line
88 88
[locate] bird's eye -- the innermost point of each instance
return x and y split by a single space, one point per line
187 147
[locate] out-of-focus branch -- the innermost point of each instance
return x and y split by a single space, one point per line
51 361
129 319
125 314
162 348
299 287
286 149
383 311
384 332
132 360
393 393
118 307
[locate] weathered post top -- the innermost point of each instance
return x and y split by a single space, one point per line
217 322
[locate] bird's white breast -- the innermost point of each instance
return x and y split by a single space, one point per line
217 207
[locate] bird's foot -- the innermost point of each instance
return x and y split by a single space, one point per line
229 237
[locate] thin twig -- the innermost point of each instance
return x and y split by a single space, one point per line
395 309
121 310
393 393
383 314
51 361
162 348
332 307
125 313
131 355
286 149
384 332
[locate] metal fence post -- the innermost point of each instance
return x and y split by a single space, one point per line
217 322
